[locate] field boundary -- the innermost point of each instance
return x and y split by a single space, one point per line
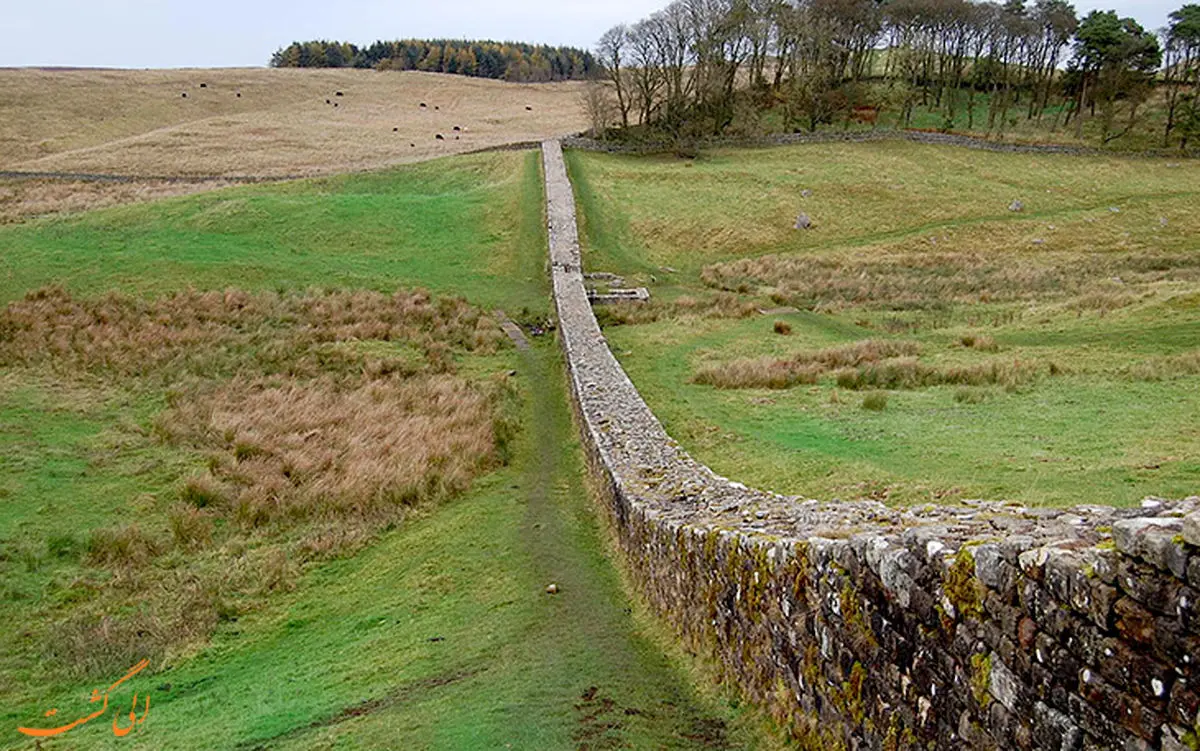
95 177
584 143
857 625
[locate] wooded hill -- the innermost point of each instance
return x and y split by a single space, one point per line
509 61
687 68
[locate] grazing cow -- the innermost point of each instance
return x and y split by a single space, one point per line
204 86
866 115
395 130
457 129
335 104
440 137
528 108
423 105
239 95
338 93
184 95
436 107
328 101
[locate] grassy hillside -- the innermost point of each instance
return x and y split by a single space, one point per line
1047 355
247 486
139 123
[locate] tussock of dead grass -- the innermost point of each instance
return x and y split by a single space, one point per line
933 281
803 367
294 451
317 441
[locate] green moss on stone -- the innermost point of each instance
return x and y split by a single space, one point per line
961 587
981 678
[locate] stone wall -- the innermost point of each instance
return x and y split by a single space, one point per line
860 626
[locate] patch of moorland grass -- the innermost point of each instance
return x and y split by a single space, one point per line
718 305
909 373
1166 368
210 333
937 280
802 367
311 452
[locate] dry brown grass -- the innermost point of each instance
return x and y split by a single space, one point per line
938 280
23 199
325 418
292 451
909 373
136 122
803 367
720 305
214 332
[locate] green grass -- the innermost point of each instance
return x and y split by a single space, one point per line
443 224
439 634
1040 282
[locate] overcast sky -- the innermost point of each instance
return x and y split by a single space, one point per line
216 33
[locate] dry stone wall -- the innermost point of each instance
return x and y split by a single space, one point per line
859 626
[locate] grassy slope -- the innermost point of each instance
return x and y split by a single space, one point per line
1088 437
430 224
439 635
136 122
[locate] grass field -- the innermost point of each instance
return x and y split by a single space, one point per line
247 122
191 473
138 123
1049 355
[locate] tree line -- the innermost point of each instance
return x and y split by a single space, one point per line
700 67
509 61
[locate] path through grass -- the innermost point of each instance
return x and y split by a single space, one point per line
438 635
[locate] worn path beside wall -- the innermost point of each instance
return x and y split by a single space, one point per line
860 626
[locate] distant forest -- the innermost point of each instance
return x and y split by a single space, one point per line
509 61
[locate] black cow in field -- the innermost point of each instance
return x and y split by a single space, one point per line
440 137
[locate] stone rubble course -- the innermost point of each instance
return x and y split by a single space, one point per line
861 626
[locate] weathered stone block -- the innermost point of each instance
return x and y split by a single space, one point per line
1054 730
994 572
1184 707
1006 688
1149 586
1140 537
1123 709
1191 529
1173 739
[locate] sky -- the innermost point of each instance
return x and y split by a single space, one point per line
236 33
